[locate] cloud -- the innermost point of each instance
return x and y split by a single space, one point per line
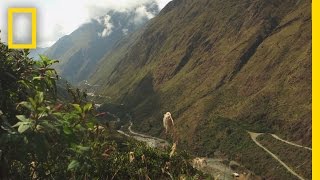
105 21
57 18
141 14
162 3
125 31
106 5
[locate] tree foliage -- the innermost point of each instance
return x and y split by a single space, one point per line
45 137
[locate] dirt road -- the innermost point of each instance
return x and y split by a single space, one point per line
254 138
288 142
214 167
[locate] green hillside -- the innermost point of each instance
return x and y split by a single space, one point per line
48 135
221 68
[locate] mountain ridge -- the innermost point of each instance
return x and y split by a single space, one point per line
80 52
217 71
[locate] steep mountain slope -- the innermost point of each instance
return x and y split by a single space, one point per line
35 53
221 68
82 49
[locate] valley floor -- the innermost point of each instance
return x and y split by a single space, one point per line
213 166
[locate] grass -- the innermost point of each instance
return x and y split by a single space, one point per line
299 159
229 137
271 92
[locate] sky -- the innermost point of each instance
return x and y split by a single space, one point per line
56 18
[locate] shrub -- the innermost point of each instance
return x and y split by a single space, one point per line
45 137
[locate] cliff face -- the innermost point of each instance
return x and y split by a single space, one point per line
221 67
80 52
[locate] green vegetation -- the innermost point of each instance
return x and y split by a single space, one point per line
299 159
221 67
43 136
248 63
231 138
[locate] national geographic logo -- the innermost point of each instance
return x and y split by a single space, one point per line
24 19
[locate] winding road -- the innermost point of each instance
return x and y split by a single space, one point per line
291 143
254 138
213 166
145 136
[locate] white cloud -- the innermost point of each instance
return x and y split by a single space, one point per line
60 17
162 3
141 13
125 31
105 21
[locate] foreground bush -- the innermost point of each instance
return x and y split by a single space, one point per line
45 137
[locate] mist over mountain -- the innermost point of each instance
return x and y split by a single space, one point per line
223 69
201 89
80 51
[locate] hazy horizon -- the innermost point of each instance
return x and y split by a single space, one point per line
55 19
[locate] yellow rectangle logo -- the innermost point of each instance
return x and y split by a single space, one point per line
33 44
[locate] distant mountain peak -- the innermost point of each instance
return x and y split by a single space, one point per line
80 51
126 20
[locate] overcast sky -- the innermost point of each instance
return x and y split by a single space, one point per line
57 18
